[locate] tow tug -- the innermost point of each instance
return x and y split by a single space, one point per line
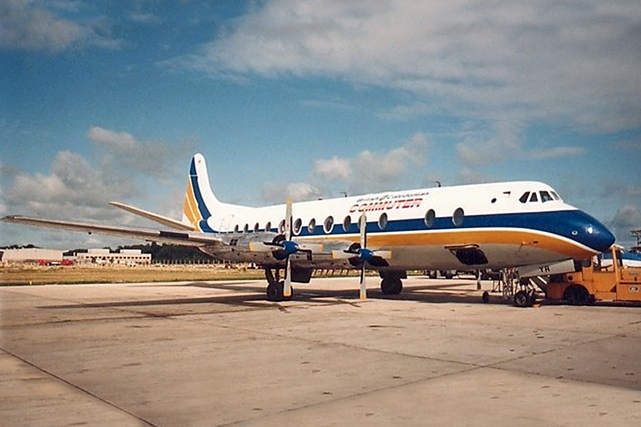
598 279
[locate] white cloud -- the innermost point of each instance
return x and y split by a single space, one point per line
122 141
77 188
28 24
553 60
627 218
491 145
153 158
505 141
297 191
556 152
373 171
334 168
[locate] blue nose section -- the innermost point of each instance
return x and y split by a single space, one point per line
601 237
590 232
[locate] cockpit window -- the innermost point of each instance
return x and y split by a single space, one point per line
534 197
524 197
545 196
556 196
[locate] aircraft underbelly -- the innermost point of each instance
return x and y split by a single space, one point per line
408 257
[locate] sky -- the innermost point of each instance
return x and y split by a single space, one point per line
109 100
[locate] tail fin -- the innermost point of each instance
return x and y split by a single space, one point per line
200 202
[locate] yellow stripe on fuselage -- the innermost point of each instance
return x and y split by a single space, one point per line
480 237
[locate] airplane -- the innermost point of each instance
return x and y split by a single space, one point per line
465 227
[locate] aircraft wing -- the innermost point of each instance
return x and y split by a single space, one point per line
166 236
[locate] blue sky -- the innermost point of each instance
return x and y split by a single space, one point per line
108 100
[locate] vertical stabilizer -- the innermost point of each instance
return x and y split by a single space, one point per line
200 202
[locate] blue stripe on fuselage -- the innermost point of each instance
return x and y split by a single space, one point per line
571 224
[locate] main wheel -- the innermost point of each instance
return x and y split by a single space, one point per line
275 291
576 295
391 286
522 299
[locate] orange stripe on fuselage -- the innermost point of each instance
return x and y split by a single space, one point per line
467 237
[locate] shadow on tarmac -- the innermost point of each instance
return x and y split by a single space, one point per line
254 296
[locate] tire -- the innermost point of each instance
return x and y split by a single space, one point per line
522 299
486 297
275 291
391 286
576 295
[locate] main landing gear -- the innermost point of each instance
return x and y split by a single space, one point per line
275 287
391 285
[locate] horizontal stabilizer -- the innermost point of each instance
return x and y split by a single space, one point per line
169 222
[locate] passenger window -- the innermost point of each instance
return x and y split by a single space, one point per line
268 226
281 227
430 216
545 197
246 228
236 228
256 227
458 216
524 197
328 225
347 222
298 224
311 227
534 198
382 221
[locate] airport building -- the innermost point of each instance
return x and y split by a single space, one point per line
30 256
106 257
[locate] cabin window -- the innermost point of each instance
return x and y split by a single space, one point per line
458 216
430 216
311 227
281 227
534 197
268 226
328 225
545 197
246 228
256 227
347 222
382 221
524 197
298 224
236 228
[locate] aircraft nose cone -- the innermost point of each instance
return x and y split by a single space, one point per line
590 232
600 237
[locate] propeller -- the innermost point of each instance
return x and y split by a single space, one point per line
358 254
288 247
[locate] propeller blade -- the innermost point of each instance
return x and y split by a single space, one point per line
363 291
287 288
362 225
288 220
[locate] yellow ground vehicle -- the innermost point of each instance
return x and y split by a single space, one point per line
597 281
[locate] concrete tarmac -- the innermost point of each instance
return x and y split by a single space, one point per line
218 354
